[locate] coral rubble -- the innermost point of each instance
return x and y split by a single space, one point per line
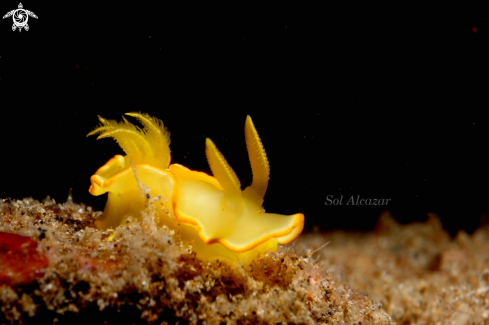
147 275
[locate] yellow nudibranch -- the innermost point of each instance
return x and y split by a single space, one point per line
212 213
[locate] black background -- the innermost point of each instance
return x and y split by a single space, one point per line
370 101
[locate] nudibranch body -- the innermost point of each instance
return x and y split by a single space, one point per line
211 212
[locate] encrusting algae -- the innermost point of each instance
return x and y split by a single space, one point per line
211 212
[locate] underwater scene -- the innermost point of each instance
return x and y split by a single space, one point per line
177 163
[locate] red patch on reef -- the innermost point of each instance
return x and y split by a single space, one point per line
20 262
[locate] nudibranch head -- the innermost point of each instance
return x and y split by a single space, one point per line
212 212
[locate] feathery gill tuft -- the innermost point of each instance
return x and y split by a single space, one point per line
150 145
158 136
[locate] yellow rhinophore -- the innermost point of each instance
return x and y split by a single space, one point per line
220 220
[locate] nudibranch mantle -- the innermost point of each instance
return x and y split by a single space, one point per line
220 220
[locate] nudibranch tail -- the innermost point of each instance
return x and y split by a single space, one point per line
258 159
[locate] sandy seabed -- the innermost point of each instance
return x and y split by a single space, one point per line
64 271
